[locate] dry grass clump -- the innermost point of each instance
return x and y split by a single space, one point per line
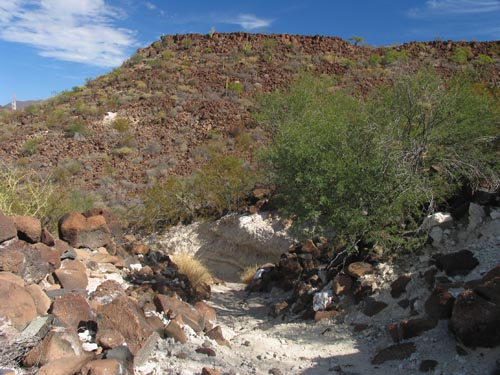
193 268
248 273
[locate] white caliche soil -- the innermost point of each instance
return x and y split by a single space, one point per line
260 343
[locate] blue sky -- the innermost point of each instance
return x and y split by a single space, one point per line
52 45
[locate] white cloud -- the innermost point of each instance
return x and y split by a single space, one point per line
150 5
248 21
70 30
443 7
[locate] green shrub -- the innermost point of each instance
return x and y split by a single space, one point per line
219 187
375 60
28 194
391 56
30 147
461 55
121 125
76 127
483 60
371 169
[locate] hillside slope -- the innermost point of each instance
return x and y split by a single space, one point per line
187 96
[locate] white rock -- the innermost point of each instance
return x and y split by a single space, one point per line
476 216
437 219
321 300
495 214
90 346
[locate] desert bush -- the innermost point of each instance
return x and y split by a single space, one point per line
30 147
218 187
371 169
121 125
461 55
391 56
76 127
375 60
24 192
247 275
193 268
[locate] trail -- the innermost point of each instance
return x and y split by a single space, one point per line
262 345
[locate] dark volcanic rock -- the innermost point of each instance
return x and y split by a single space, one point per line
475 321
373 307
29 229
80 231
415 327
395 352
459 263
439 305
398 286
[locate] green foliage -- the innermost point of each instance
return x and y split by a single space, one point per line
167 54
187 43
30 147
235 88
75 127
28 194
375 60
391 56
356 40
371 169
121 125
219 187
461 55
483 60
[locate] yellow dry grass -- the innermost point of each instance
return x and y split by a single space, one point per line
193 268
248 273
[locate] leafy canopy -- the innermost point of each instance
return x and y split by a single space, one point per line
371 168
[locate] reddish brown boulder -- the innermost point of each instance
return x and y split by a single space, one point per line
342 284
103 367
47 238
174 330
373 307
209 371
49 254
320 315
64 366
105 293
398 286
207 311
60 344
172 306
112 221
278 309
309 247
7 228
358 269
109 338
475 320
72 275
415 327
141 249
11 259
459 263
72 309
42 301
439 305
25 260
207 351
396 352
29 229
12 278
125 316
80 231
216 335
17 304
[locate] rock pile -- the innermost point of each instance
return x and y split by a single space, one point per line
84 303
461 286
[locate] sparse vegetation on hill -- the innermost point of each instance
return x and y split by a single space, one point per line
187 96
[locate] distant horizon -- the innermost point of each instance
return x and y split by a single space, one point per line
56 45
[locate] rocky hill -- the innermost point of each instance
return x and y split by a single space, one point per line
176 101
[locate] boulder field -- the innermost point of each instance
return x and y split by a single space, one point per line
92 300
